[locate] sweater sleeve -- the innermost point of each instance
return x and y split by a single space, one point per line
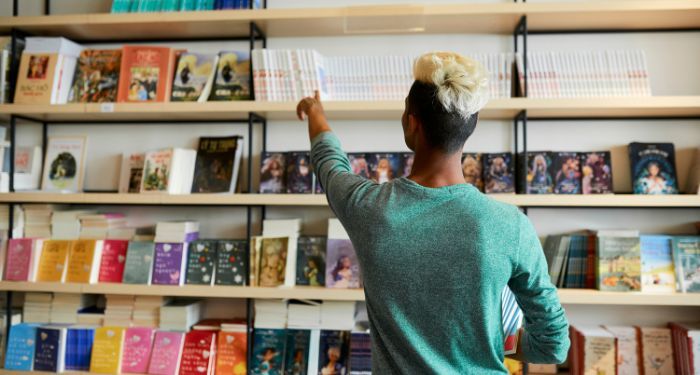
546 330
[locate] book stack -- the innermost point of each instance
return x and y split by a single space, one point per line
339 315
37 220
177 231
180 315
147 310
65 225
304 314
360 353
37 307
119 310
273 255
65 307
101 226
91 316
270 314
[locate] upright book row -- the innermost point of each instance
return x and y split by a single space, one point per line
149 6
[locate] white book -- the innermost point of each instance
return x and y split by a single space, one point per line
65 164
314 347
642 61
36 257
4 61
96 259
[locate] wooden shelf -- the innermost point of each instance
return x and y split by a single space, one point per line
612 200
383 19
497 109
596 297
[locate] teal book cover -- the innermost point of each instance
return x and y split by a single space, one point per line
21 344
139 260
297 351
686 256
268 352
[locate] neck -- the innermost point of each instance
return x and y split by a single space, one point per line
435 169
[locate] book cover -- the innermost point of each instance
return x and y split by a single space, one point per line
472 170
81 259
137 349
106 355
20 347
299 173
619 264
168 261
407 159
296 351
268 352
333 352
359 163
272 177
167 349
342 267
598 352
113 260
79 342
627 349
198 353
511 319
18 263
156 171
657 350
49 350
64 164
686 257
139 261
145 74
232 81
658 274
132 173
201 259
311 261
539 173
230 262
216 165
52 262
360 353
596 172
231 352
567 173
96 76
653 168
192 76
36 77
384 167
498 173
272 255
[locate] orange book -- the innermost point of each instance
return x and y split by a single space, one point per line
83 261
35 81
52 261
231 353
146 74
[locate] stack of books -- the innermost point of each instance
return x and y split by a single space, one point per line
37 307
338 315
91 316
102 226
119 310
147 310
304 314
65 225
37 220
177 231
65 307
180 315
270 313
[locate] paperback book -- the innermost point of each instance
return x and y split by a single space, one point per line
167 349
169 263
472 170
21 344
658 274
653 168
79 342
499 172
131 173
84 261
333 352
296 351
342 266
232 80
217 164
169 170
311 261
52 261
201 259
113 261
198 353
138 264
407 159
268 352
230 262
96 77
50 349
272 176
384 167
567 173
231 352
686 257
137 349
19 259
360 164
194 77
656 350
107 350
145 74
299 173
619 264
596 172
271 255
539 173
64 165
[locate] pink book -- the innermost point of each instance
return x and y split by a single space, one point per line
166 353
112 264
19 259
137 350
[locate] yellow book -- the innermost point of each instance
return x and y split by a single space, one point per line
84 261
52 261
107 350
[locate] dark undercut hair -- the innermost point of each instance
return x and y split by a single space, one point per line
444 130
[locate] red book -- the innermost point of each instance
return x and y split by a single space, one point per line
112 263
18 263
591 262
146 74
198 353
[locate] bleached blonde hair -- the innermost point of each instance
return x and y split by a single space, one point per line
462 83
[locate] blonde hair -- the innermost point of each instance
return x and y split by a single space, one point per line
462 83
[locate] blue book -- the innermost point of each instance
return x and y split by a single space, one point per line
511 319
297 351
227 4
20 347
268 351
78 348
50 348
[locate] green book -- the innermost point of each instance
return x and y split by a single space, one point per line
170 5
139 258
686 257
230 262
187 5
200 262
204 5
619 264
121 6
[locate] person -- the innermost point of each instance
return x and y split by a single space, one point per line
435 254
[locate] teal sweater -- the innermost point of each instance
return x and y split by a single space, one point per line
434 262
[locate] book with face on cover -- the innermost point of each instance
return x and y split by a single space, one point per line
231 262
384 167
139 262
198 353
217 164
166 353
64 164
311 261
52 261
270 260
169 263
169 170
194 77
113 260
333 353
299 173
499 173
21 346
50 348
232 81
107 350
539 179
272 173
268 351
596 172
471 169
342 266
201 259
84 261
567 173
653 168
35 80
296 351
137 349
146 74
96 76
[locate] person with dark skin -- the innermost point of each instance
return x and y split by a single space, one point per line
435 254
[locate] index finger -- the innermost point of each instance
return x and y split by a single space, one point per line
317 95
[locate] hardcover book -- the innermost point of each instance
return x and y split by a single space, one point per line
36 77
139 261
342 267
232 80
653 168
498 173
627 349
268 352
231 352
79 342
299 173
217 164
131 173
657 350
596 172
18 264
539 173
567 173
50 349
52 262
96 76
167 349
384 167
83 261
198 353
201 259
230 262
169 263
407 163
137 349
593 351
21 346
145 75
472 170
107 350
194 77
686 257
359 162
272 177
296 351
113 261
658 274
619 264
64 165
311 261
333 352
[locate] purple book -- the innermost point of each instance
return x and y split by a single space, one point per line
169 263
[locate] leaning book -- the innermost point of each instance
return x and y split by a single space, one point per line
686 257
217 164
653 168
194 77
64 164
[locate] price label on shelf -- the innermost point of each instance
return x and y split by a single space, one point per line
107 107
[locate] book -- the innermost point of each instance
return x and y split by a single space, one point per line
137 349
146 74
627 349
686 347
79 340
19 259
596 172
21 344
194 77
296 351
271 255
311 261
131 173
653 168
230 262
342 267
268 351
656 350
198 353
359 163
232 81
64 164
272 176
167 349
169 170
84 261
384 167
333 352
138 263
360 353
511 319
169 263
50 349
28 161
113 261
407 159
499 172
107 350
658 274
177 231
686 257
299 174
201 259
692 182
231 352
619 264
181 314
96 76
217 164
52 261
472 170
539 173
593 351
567 173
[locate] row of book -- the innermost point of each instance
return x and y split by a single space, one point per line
624 260
635 350
149 6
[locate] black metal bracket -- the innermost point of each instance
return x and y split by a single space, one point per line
520 165
521 31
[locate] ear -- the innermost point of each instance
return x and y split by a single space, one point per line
414 124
